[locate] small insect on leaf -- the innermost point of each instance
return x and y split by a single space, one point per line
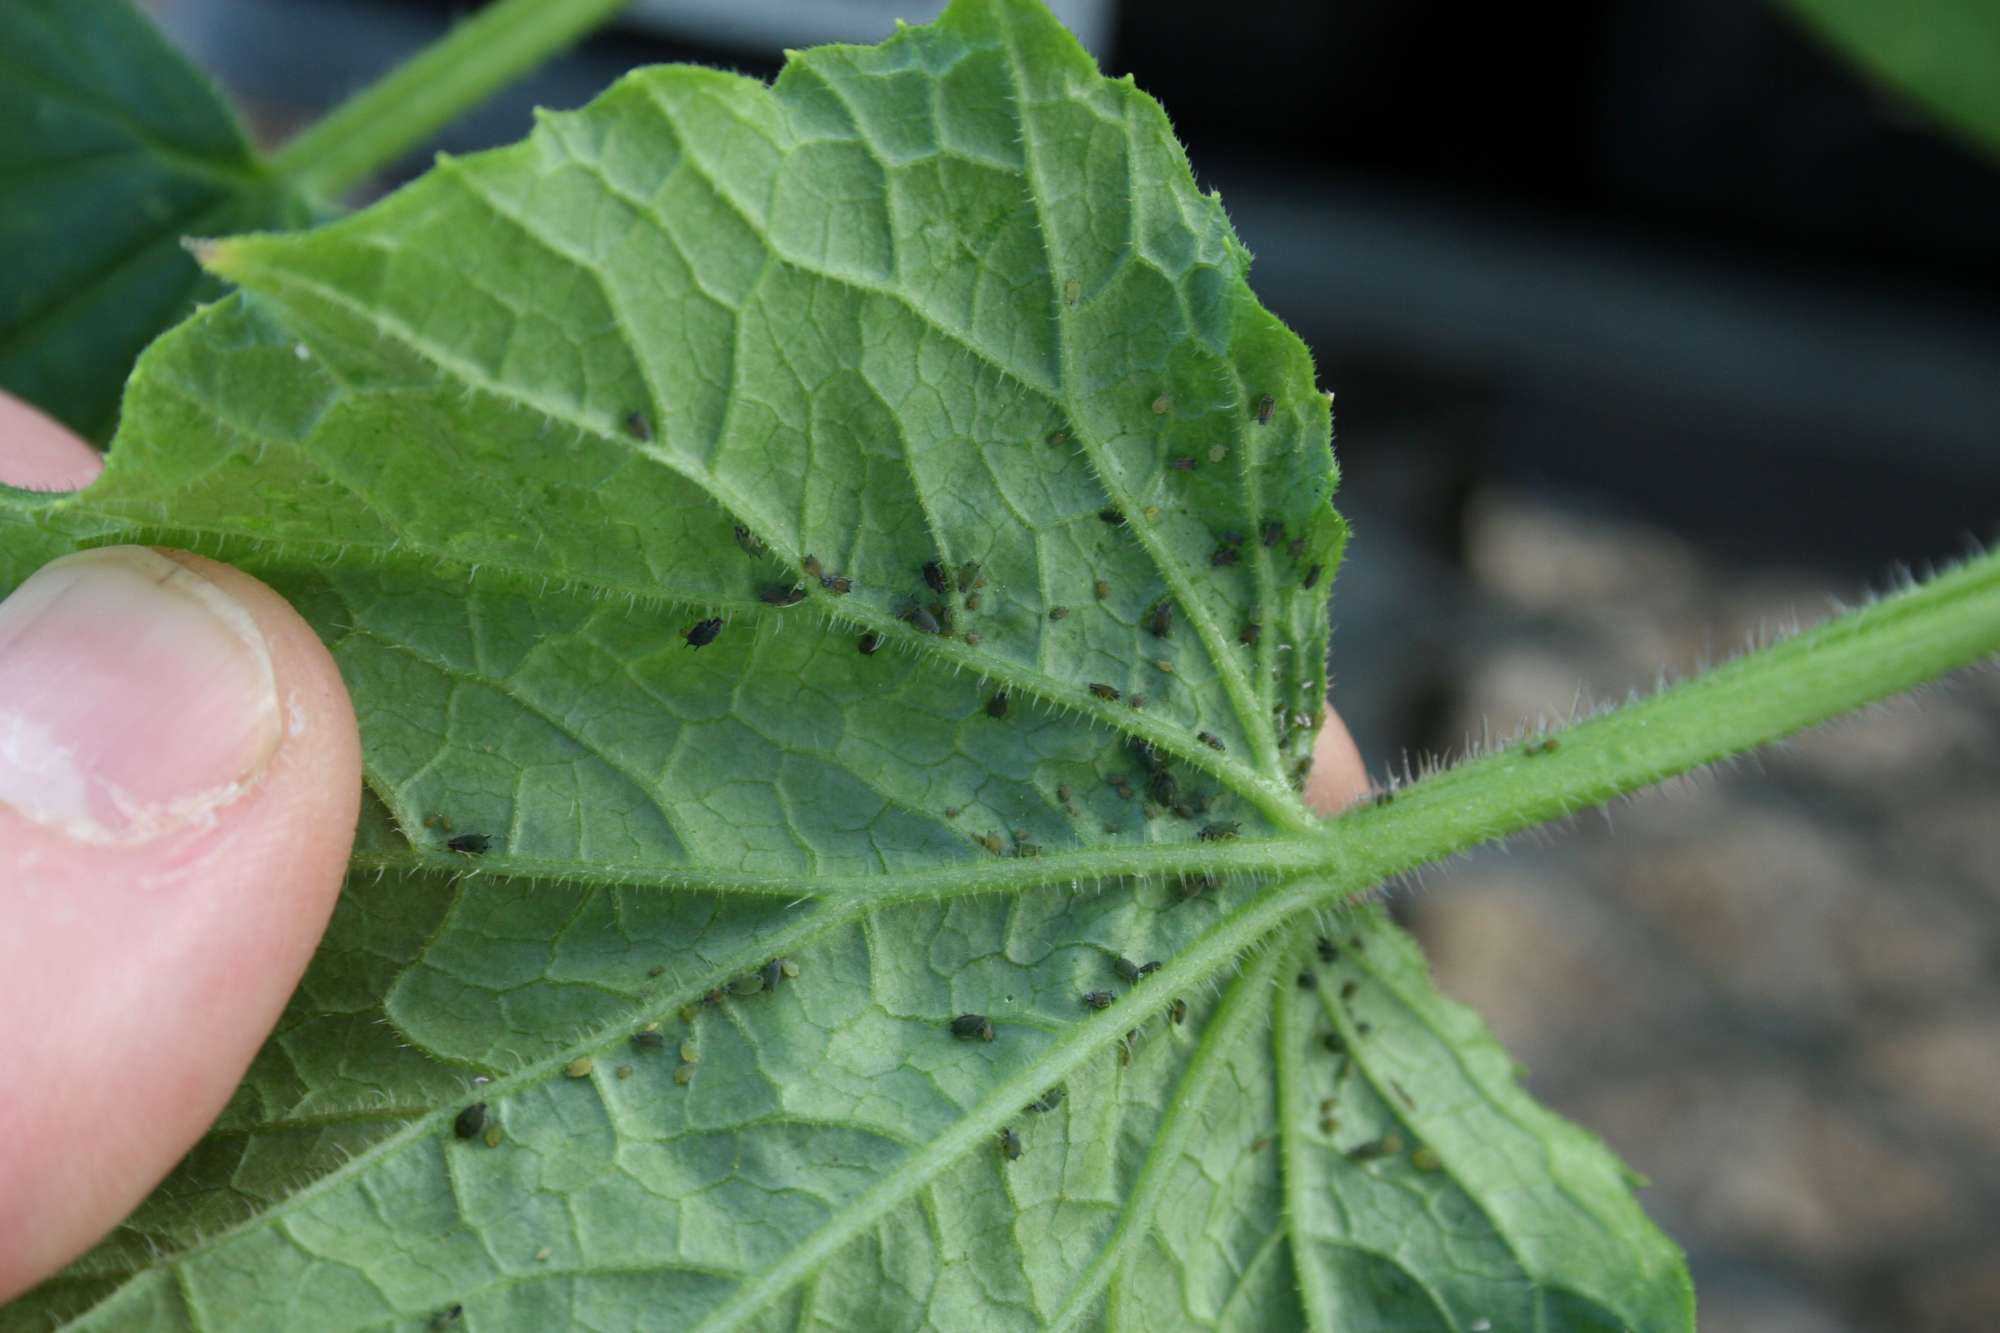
922 620
1058 613
972 601
972 1027
838 584
446 1317
702 633
580 1067
1182 463
1329 952
1010 1144
1265 405
969 576
934 576
494 1134
752 544
996 705
470 1121
1098 999
1160 620
1307 981
1047 1102
812 566
690 1053
638 427
1273 533
1177 1012
750 983
649 1041
1104 692
470 844
1248 638
1101 590
1072 290
773 972
1222 830
684 1075
1058 437
1162 405
1148 968
1426 1159
868 643
778 594
1210 740
1126 969
1311 579
1222 557
1112 514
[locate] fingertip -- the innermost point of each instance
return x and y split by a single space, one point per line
40 454
1338 777
154 935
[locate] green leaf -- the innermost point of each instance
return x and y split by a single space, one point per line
949 299
1943 54
112 149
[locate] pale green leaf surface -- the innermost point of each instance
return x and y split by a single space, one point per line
843 307
112 149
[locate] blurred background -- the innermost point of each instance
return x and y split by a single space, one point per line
1654 326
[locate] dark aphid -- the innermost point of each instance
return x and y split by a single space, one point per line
446 1317
1098 999
1248 638
868 643
1101 590
1058 613
1126 1045
1209 739
838 584
951 812
1384 797
991 842
974 640
996 707
972 1027
942 614
638 427
1222 830
1120 784
1272 534
1026 850
702 633
1348 988
649 1041
751 543
1047 1102
1160 620
1104 692
1162 788
750 983
657 970
1404 1093
968 576
923 620
470 844
1368 1152
1147 969
1146 753
1063 793
780 595
972 601
1181 464
934 576
1363 1029
1010 1144
1265 406
812 566
1329 952
1307 981
1334 1045
1127 970
1312 577
470 1121
1136 701
773 973
1112 514
1058 437
1222 557
1177 1012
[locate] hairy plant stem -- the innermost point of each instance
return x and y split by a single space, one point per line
380 123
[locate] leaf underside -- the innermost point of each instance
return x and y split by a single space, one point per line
953 299
111 150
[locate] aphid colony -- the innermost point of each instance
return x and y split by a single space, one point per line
1391 1143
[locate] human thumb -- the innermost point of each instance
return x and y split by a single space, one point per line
179 782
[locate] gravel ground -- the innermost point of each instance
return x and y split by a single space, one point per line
1773 988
